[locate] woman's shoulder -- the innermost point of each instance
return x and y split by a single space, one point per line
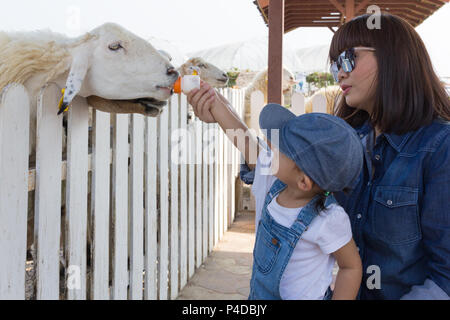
430 138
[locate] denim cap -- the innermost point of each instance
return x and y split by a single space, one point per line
324 147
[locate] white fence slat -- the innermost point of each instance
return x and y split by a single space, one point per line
191 193
174 265
198 205
217 195
76 204
221 183
101 157
319 102
211 192
48 193
164 201
205 197
14 140
151 240
256 105
120 207
137 207
298 103
183 193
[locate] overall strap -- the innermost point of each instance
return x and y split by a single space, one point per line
275 189
308 213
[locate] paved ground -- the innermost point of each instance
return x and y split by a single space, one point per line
225 275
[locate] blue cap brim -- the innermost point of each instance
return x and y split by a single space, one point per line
273 116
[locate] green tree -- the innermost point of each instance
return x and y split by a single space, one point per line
320 79
232 76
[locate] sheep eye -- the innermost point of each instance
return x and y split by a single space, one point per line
115 46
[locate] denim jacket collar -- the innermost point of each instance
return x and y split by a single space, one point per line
396 141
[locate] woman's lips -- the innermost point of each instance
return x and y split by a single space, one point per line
345 89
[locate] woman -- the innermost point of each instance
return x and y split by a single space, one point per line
400 207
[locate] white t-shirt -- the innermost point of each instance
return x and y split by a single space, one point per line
309 270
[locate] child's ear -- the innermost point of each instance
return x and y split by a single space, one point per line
304 182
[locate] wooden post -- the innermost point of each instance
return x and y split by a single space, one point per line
276 31
349 10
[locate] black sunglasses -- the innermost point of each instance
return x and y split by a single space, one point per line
346 61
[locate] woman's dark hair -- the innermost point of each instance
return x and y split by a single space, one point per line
408 92
320 204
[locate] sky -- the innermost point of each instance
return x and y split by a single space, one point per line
189 25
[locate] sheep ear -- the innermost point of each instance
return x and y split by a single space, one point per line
77 73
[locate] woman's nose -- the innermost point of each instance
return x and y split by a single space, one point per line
342 74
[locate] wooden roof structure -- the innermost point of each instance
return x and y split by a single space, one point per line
287 15
333 13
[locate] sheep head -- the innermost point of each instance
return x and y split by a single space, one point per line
119 72
288 80
208 72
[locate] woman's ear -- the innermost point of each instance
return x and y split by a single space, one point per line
304 182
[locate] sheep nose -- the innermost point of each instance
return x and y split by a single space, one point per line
171 71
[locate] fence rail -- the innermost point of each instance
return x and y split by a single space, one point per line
128 210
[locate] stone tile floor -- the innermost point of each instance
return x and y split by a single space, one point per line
225 275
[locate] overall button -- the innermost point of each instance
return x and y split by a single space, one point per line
274 241
377 157
389 202
359 216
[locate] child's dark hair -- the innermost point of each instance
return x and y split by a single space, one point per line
320 204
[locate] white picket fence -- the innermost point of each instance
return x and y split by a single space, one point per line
148 219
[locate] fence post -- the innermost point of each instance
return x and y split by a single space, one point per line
136 206
298 103
164 203
14 145
47 206
174 199
151 240
256 105
319 103
120 207
76 204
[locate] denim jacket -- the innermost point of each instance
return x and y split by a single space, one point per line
400 217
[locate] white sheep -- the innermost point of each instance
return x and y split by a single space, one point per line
207 71
259 82
115 69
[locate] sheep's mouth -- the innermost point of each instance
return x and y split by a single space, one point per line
151 105
146 106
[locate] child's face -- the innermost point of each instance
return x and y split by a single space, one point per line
284 168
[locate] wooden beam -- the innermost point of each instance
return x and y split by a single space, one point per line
338 6
275 70
361 6
349 10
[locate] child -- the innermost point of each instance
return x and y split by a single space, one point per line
301 230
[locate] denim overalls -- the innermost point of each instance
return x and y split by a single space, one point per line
274 246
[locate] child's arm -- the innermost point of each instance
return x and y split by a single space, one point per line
349 276
211 106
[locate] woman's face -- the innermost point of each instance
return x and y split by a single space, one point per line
359 85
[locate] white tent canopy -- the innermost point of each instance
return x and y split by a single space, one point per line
314 59
178 57
247 55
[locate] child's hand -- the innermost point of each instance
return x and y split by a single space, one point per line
202 101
